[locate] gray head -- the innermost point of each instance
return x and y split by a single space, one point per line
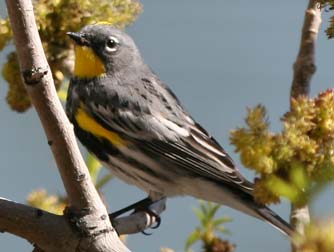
112 46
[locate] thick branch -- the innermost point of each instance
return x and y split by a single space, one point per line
39 84
85 203
36 225
304 68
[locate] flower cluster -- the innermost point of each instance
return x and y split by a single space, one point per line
328 5
318 237
51 203
295 162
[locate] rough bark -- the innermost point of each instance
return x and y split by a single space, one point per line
304 68
86 226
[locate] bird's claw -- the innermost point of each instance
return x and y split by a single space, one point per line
145 233
141 206
156 223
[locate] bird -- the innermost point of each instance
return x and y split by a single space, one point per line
137 127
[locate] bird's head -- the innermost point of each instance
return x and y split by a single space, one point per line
102 49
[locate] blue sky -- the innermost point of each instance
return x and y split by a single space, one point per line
219 57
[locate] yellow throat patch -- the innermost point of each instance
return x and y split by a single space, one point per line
87 64
88 123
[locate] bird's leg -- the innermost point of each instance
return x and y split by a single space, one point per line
152 207
138 205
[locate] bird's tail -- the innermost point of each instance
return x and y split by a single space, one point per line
248 205
240 199
269 216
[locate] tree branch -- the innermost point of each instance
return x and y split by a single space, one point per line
304 68
36 226
39 84
86 207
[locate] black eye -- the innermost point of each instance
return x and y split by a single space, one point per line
112 44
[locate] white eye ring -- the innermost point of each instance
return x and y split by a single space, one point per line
112 44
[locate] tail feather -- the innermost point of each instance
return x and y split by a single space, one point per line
266 214
238 198
275 220
250 207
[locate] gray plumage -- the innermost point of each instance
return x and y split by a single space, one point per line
166 152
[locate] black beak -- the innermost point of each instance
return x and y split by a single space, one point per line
78 38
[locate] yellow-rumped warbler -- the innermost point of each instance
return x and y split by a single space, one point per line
132 122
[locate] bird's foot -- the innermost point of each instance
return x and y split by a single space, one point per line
141 204
156 223
147 206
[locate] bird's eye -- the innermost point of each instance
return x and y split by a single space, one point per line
112 44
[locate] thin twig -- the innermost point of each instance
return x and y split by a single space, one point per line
304 68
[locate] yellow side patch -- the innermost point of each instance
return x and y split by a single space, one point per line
87 123
87 64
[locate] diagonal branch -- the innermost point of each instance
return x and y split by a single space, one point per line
86 206
39 84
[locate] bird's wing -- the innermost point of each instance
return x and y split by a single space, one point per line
186 146
199 153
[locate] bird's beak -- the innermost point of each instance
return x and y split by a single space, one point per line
78 38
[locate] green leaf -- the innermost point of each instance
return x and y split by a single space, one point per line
103 181
192 238
209 227
224 230
282 188
213 208
298 177
62 94
220 221
94 167
199 214
203 207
